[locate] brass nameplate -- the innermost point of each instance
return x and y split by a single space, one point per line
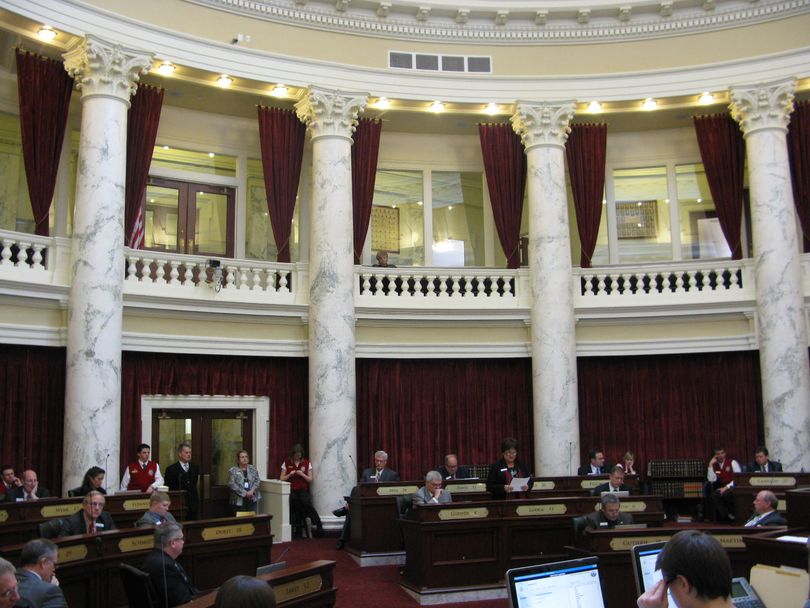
136 504
529 510
233 531
764 480
625 543
730 541
60 510
464 488
136 543
72 554
470 513
634 506
590 484
245 514
3 516
396 490
544 485
293 589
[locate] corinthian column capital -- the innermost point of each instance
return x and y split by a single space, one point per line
102 68
540 123
330 113
764 106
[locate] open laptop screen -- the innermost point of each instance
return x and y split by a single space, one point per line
568 584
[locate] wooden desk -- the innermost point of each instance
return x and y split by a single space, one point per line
309 585
798 508
214 551
766 548
19 521
748 485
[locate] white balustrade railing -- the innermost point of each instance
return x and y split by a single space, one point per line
25 251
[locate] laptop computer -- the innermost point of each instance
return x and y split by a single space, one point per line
567 584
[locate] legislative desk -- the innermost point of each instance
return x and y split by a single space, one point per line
612 547
748 485
214 551
798 507
19 521
466 547
309 585
766 548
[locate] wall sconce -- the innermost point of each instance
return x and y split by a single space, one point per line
215 281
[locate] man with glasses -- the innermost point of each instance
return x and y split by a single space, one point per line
8 585
92 519
172 584
35 580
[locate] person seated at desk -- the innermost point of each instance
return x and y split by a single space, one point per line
8 585
10 480
171 583
609 516
143 474
696 570
765 513
720 475
35 580
501 473
596 466
432 492
451 470
243 591
628 463
93 480
91 519
614 484
762 464
158 513
29 490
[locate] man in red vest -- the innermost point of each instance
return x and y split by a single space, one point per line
720 475
143 474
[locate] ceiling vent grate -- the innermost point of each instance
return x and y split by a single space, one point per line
439 63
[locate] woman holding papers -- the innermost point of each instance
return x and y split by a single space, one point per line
509 478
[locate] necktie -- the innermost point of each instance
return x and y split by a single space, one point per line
143 466
91 527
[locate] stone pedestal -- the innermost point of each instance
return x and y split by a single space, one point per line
106 75
763 112
330 118
544 129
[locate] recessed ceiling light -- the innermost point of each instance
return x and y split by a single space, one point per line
224 81
166 68
649 104
383 103
492 109
594 107
46 33
279 91
706 99
437 106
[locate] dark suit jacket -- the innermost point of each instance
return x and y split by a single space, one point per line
461 472
19 494
597 520
75 523
774 518
496 478
36 593
169 579
386 475
604 487
773 467
177 479
586 469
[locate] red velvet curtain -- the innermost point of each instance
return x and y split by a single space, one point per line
32 411
799 150
44 89
281 136
284 380
670 406
419 410
142 126
585 151
505 166
723 152
364 172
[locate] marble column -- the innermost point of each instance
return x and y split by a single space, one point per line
544 128
763 112
105 74
331 117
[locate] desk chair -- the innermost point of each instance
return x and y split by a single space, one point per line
579 527
50 528
138 587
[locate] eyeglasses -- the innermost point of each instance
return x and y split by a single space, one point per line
182 538
10 592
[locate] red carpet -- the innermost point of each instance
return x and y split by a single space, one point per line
376 587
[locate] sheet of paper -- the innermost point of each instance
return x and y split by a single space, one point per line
518 483
793 539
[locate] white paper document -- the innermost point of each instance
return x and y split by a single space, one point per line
518 483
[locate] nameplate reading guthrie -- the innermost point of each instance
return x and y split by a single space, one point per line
529 510
136 543
71 554
233 531
471 513
60 510
396 490
784 482
138 504
294 589
625 543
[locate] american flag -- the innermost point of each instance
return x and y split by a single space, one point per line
136 238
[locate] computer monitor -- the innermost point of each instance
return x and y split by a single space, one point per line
644 571
567 584
617 493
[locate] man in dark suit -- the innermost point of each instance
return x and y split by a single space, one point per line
762 464
9 480
35 585
609 516
597 465
29 490
92 519
172 584
614 484
183 476
451 470
765 513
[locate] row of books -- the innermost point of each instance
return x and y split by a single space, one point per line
676 468
677 489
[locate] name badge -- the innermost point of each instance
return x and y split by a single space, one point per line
247 485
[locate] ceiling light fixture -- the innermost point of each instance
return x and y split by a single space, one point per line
224 81
46 33
166 69
383 103
594 107
649 104
492 108
706 99
436 107
279 91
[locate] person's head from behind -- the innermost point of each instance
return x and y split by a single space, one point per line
245 592
696 568
170 539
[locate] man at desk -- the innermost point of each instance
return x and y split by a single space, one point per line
35 582
172 584
29 490
609 516
762 464
614 484
91 519
432 492
158 513
765 513
451 470
596 466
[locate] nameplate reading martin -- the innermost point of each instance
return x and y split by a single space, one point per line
71 554
305 586
543 484
730 541
136 543
396 490
471 513
529 510
60 510
3 516
590 484
625 543
767 481
136 504
233 531
466 488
